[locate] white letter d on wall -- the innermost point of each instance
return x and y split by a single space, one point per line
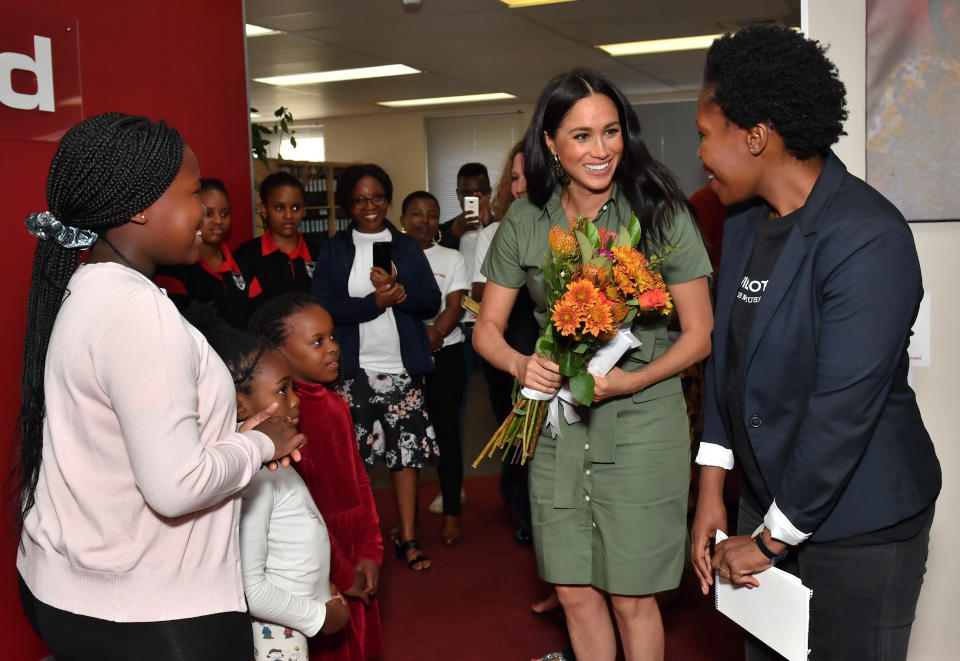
41 65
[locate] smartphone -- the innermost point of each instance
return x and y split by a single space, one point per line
471 205
383 255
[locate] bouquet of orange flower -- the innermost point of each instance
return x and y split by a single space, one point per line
597 282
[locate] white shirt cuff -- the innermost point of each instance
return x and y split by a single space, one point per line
780 527
711 454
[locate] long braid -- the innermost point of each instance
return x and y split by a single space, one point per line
107 168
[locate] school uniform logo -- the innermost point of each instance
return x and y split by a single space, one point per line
239 281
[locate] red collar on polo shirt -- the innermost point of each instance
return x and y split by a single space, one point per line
227 265
267 246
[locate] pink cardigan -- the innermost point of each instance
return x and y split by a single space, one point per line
137 505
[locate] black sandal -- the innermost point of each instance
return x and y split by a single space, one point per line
403 547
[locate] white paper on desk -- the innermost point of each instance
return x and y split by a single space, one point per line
777 612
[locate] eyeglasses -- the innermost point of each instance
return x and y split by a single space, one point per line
377 200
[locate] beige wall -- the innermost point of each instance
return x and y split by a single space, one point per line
842 25
396 142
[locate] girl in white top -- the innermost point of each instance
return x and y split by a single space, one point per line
284 545
444 388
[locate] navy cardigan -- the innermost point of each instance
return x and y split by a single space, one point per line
334 261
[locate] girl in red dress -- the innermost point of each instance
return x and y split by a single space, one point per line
332 468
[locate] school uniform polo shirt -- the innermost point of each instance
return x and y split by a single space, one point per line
225 287
270 271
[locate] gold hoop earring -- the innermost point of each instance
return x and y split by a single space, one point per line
439 236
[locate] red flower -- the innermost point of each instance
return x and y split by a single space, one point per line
652 299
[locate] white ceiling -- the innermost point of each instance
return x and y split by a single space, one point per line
477 46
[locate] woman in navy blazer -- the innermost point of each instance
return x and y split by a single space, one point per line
384 349
807 386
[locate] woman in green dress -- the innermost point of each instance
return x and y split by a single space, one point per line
608 496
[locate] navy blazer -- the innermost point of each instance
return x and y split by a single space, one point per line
334 261
835 428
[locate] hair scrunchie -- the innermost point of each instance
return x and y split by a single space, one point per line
45 226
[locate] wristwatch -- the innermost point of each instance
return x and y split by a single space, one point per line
774 558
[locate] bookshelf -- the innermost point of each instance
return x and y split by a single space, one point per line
319 180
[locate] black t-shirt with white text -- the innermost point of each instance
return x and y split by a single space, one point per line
771 236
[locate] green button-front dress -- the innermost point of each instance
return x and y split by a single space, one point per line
609 497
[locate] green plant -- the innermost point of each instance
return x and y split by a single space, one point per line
281 128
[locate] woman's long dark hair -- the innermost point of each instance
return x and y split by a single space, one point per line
107 169
652 191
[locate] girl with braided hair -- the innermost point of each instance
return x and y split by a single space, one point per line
332 468
130 464
284 545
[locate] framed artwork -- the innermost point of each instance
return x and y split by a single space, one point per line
913 106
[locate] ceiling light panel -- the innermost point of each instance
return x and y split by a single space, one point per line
315 77
659 45
438 100
257 31
513 4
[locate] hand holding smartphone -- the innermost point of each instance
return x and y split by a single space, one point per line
471 207
383 255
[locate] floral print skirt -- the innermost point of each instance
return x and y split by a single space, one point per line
391 419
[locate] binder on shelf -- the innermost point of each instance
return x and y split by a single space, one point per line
777 612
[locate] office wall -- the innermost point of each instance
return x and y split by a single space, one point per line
178 60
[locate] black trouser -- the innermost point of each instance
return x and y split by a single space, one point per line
444 389
72 637
513 476
864 597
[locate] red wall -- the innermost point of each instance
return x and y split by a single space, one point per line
177 60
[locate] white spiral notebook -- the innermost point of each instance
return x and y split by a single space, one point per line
777 612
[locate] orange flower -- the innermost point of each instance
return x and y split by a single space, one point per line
619 312
581 294
566 318
597 320
627 257
562 242
598 275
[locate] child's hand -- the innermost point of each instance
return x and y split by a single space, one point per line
338 614
357 590
436 339
286 440
379 277
390 295
370 571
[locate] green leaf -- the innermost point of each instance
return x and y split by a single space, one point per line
631 315
278 112
293 142
581 348
623 237
593 235
545 347
634 230
253 110
581 386
570 364
586 248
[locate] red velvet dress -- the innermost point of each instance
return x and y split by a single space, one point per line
338 482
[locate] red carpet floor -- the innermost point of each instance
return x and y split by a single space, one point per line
474 602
